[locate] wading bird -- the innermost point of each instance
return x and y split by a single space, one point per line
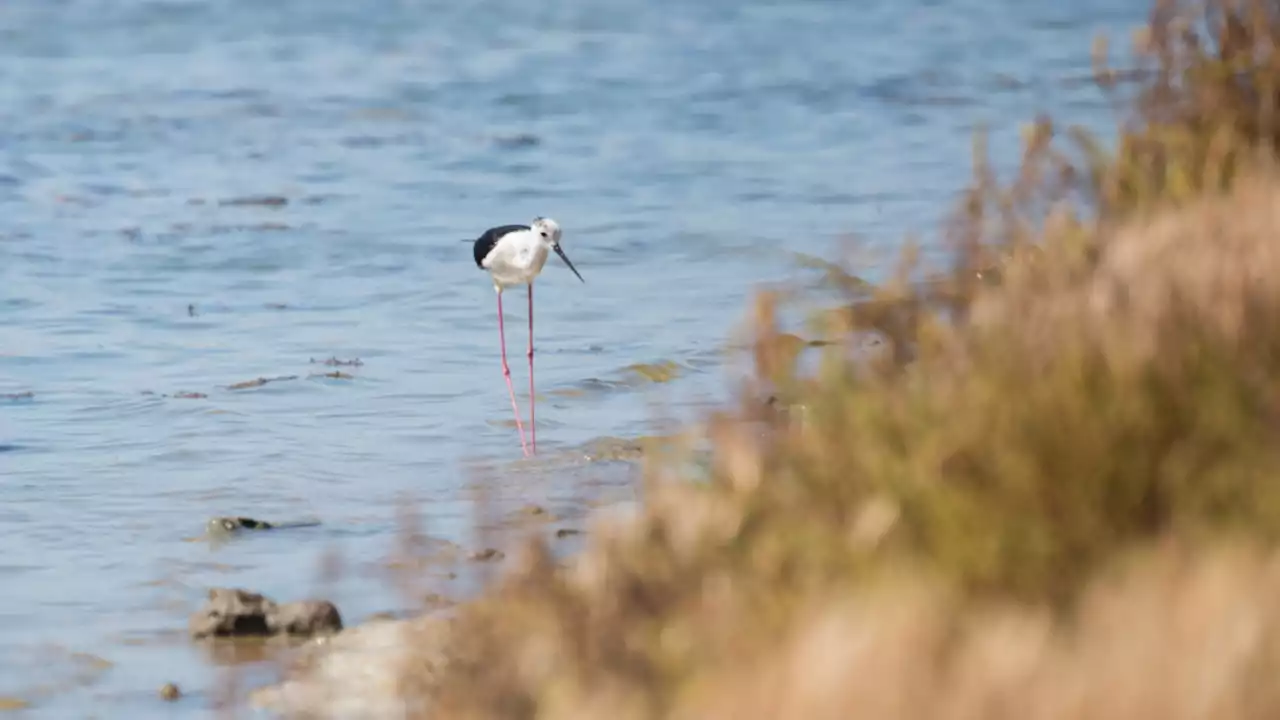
513 255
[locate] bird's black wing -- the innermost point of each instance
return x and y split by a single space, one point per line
484 243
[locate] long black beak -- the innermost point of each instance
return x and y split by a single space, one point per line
565 258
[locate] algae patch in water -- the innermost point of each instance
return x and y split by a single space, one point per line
334 361
633 376
259 382
256 200
180 395
637 375
659 372
334 375
518 141
605 449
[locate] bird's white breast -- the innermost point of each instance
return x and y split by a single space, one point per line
517 258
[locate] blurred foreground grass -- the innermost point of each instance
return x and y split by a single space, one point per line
1053 494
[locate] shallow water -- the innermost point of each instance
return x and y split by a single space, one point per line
688 150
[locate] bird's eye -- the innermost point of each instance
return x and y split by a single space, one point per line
544 234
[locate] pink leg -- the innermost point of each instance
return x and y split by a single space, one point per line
506 372
533 424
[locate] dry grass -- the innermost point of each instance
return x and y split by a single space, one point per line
930 535
1178 637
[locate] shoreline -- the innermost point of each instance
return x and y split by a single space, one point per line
355 673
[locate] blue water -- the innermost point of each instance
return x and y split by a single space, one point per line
688 150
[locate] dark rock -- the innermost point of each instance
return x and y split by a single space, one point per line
566 532
225 525
220 527
232 612
305 617
487 554
435 601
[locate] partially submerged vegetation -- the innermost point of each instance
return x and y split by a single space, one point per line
1093 386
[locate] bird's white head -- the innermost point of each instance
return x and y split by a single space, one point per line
549 232
547 229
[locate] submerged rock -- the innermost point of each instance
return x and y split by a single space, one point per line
487 554
222 526
261 200
306 618
517 141
234 524
231 612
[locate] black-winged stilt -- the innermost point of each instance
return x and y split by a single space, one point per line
513 255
